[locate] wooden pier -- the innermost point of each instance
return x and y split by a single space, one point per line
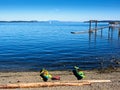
95 27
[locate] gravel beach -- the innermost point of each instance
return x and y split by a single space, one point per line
34 77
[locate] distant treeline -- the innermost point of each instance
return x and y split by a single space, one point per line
35 21
17 21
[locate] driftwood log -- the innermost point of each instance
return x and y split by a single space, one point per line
51 84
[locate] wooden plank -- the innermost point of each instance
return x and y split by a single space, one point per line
42 84
91 81
96 81
51 84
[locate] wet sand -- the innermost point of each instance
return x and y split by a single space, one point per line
32 77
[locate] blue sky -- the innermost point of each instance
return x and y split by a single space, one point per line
63 10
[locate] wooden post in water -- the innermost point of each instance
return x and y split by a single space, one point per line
90 24
96 25
119 33
109 32
101 32
112 28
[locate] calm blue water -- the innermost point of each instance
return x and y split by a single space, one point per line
32 46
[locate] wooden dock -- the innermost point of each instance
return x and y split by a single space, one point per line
95 28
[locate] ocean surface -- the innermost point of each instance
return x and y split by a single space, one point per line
50 45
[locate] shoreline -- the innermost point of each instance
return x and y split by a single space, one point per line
111 68
34 77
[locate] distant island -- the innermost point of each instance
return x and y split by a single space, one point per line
57 21
17 21
35 21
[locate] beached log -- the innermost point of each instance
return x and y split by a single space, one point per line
42 84
96 81
51 84
91 81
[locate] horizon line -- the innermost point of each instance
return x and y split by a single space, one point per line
53 20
